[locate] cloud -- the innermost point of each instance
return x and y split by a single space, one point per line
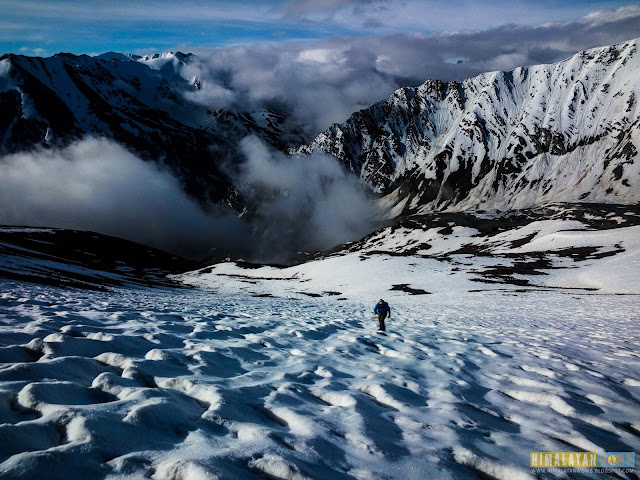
297 204
350 15
303 203
435 16
322 82
317 85
326 10
97 185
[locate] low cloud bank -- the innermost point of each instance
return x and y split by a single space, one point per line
98 185
300 204
304 203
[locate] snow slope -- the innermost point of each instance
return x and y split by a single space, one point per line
564 132
497 346
556 247
90 260
195 384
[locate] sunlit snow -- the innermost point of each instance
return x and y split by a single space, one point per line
280 373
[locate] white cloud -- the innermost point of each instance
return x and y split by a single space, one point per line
322 55
401 16
600 17
300 204
303 203
324 81
327 10
97 185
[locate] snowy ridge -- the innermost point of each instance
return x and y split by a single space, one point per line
581 250
143 103
70 258
565 132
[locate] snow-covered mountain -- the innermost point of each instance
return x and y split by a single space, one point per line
586 247
141 102
565 132
504 140
562 133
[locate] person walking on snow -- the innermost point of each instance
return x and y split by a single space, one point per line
382 309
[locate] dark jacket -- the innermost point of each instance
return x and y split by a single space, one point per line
382 307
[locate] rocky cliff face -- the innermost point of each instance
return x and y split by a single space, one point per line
565 132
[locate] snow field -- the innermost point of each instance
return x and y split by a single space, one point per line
448 260
188 384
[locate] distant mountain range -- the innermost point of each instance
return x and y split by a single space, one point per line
567 132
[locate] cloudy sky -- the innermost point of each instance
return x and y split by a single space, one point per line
45 27
323 58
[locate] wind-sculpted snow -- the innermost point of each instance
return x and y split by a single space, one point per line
194 384
501 341
504 140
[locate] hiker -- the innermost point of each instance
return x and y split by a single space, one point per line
382 309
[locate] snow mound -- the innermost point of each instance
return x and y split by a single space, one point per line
189 384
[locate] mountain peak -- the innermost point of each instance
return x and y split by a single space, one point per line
568 131
167 55
118 56
148 59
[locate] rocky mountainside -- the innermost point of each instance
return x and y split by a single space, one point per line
140 102
565 132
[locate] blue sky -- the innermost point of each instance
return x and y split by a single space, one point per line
46 27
